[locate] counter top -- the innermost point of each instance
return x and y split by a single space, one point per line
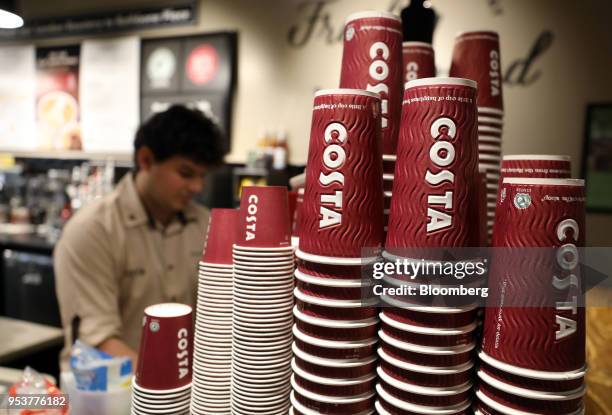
21 338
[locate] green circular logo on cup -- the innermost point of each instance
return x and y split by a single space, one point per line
522 200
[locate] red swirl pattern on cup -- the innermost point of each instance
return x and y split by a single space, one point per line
437 167
343 201
546 331
418 61
372 60
476 56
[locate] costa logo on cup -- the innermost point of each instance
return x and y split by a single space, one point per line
436 172
342 212
372 60
442 155
568 232
251 219
494 72
183 353
263 218
333 158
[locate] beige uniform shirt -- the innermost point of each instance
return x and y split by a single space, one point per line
112 261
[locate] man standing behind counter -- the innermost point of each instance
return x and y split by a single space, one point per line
139 245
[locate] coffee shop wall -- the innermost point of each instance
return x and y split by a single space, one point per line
561 51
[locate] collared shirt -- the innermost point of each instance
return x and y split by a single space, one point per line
112 261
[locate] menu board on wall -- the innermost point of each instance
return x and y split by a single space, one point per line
57 98
109 94
17 98
196 71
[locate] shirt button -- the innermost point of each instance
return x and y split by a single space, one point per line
170 267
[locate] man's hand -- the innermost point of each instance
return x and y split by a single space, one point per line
118 348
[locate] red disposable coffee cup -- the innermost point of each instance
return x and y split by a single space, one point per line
476 56
343 202
418 61
437 167
372 60
536 165
264 217
222 234
166 347
544 334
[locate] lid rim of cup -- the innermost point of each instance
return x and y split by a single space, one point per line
335 282
528 157
338 400
423 390
334 344
346 91
339 324
441 80
432 350
474 32
410 328
425 410
333 303
331 260
159 391
530 393
548 181
490 110
415 43
330 381
490 120
322 361
428 309
307 411
215 264
273 249
532 373
371 14
431 370
486 128
161 310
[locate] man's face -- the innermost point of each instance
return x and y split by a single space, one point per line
175 181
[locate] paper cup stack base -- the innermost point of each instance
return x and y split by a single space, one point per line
213 340
262 321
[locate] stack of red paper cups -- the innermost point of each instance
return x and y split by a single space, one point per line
418 61
263 302
342 213
533 347
427 352
372 60
213 330
162 383
476 56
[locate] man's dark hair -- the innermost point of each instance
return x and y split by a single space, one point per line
180 131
